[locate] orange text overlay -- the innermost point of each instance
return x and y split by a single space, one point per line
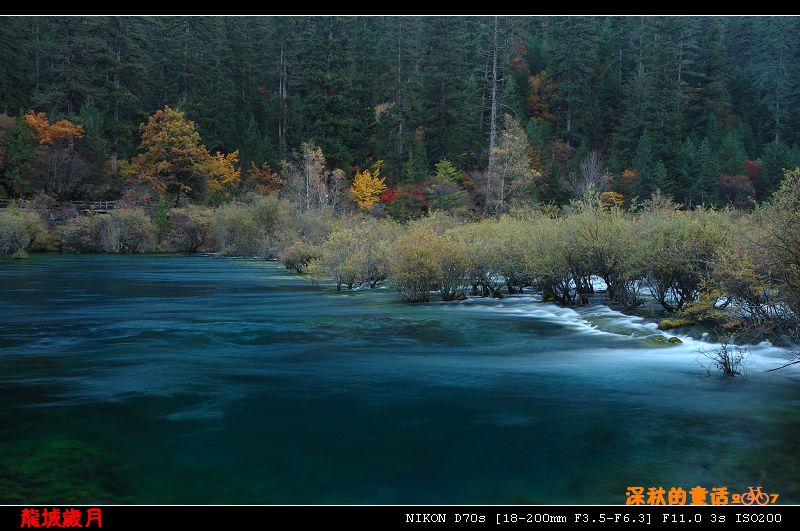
697 496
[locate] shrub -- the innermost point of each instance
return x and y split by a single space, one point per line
132 231
604 246
356 253
18 230
755 279
484 256
551 260
728 359
190 227
46 242
342 258
298 255
237 231
453 267
82 235
676 251
126 230
414 266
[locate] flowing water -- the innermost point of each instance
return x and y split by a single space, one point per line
173 379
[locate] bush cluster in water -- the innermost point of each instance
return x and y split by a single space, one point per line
725 265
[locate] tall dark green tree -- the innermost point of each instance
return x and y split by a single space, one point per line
705 187
417 167
19 157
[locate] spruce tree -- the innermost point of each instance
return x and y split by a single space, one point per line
19 157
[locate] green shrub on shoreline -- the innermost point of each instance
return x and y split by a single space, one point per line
18 231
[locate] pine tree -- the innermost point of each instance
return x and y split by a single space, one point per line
19 157
731 154
160 219
465 136
417 166
95 145
644 163
572 41
705 188
639 116
659 180
255 147
686 172
776 158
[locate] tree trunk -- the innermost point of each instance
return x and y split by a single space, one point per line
187 31
680 60
308 189
283 93
115 131
37 57
777 112
492 121
399 145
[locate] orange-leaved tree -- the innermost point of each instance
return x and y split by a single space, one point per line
58 169
262 179
368 186
60 131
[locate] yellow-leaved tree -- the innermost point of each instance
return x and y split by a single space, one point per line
368 186
223 175
174 161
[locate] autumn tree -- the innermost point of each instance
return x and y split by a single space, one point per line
367 187
174 161
60 131
58 168
593 177
262 179
306 179
337 191
513 174
223 175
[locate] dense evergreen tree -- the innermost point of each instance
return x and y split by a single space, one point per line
417 166
18 157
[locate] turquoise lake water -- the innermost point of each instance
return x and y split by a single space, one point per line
175 379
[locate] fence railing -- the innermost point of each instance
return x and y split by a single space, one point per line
81 206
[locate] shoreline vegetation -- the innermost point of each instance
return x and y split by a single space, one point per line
728 270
